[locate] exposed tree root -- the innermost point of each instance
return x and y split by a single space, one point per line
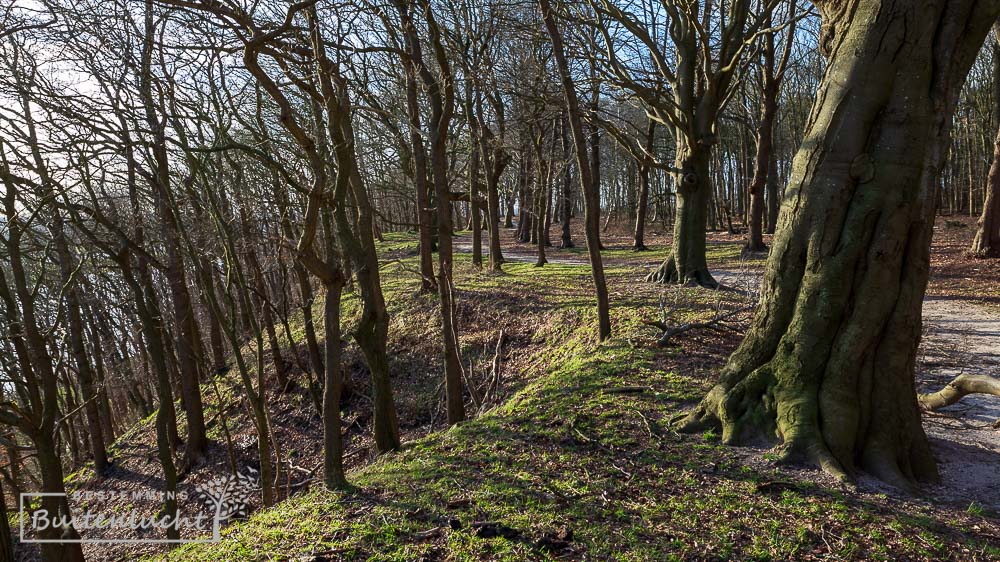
959 387
759 410
668 274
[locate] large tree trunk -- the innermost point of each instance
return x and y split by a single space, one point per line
987 241
687 263
827 368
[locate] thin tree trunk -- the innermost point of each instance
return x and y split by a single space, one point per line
773 193
642 204
762 162
333 442
588 185
567 191
183 312
495 161
6 539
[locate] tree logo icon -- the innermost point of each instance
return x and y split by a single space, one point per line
229 496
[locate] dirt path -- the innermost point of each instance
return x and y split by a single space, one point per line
523 253
960 337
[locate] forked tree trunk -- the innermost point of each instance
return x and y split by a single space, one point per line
499 162
827 368
687 263
495 160
372 331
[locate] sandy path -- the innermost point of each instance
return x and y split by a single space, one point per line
962 338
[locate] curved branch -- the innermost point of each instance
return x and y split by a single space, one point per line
959 387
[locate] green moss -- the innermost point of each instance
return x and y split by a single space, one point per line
568 450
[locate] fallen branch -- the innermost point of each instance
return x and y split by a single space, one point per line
671 331
959 387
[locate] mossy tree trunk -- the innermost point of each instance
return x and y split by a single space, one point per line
827 368
687 263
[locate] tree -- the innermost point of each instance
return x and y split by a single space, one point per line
591 196
772 72
827 367
986 244
6 539
684 87
183 312
639 233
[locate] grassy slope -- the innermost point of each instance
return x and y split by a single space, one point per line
571 452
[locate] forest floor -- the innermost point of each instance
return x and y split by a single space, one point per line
571 454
